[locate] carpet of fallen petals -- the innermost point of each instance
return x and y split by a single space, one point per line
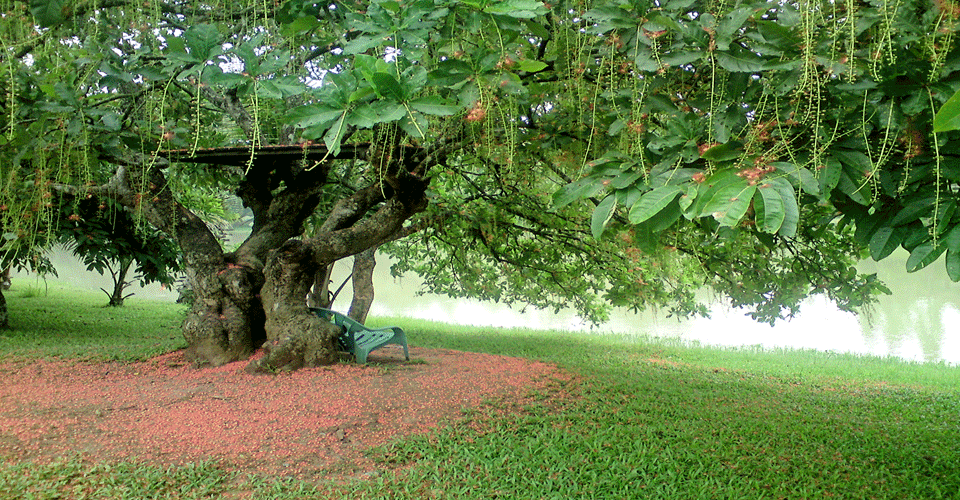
306 423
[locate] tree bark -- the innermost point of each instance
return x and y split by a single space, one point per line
295 337
363 290
119 282
319 295
4 313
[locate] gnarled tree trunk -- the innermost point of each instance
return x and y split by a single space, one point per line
295 336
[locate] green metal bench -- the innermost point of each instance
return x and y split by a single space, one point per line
359 340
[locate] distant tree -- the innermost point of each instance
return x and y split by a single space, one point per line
108 239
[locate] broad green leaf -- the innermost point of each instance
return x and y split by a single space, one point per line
884 241
855 159
729 204
203 40
625 180
312 114
451 73
520 9
370 114
952 240
537 29
111 121
723 152
915 209
801 177
707 190
730 24
531 66
387 86
578 189
47 12
362 44
686 201
224 80
664 218
945 216
414 124
952 261
602 214
653 202
434 105
948 118
740 60
268 90
770 209
300 25
791 211
829 175
923 255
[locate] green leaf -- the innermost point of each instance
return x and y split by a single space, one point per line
362 44
652 202
300 25
268 90
952 261
625 179
580 188
916 208
414 124
686 201
884 241
111 121
948 118
799 176
312 114
531 66
791 211
520 9
203 40
740 60
387 86
730 24
952 240
729 205
723 152
47 12
602 214
829 174
727 180
368 115
770 209
664 218
924 255
224 80
434 105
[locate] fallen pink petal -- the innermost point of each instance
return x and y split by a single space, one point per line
297 424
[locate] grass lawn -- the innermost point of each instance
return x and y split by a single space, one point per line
653 419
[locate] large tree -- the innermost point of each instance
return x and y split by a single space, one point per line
714 140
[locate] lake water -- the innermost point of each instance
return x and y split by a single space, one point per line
919 322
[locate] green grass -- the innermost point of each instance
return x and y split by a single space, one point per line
652 419
76 480
57 320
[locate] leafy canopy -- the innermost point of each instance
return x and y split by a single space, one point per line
754 146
